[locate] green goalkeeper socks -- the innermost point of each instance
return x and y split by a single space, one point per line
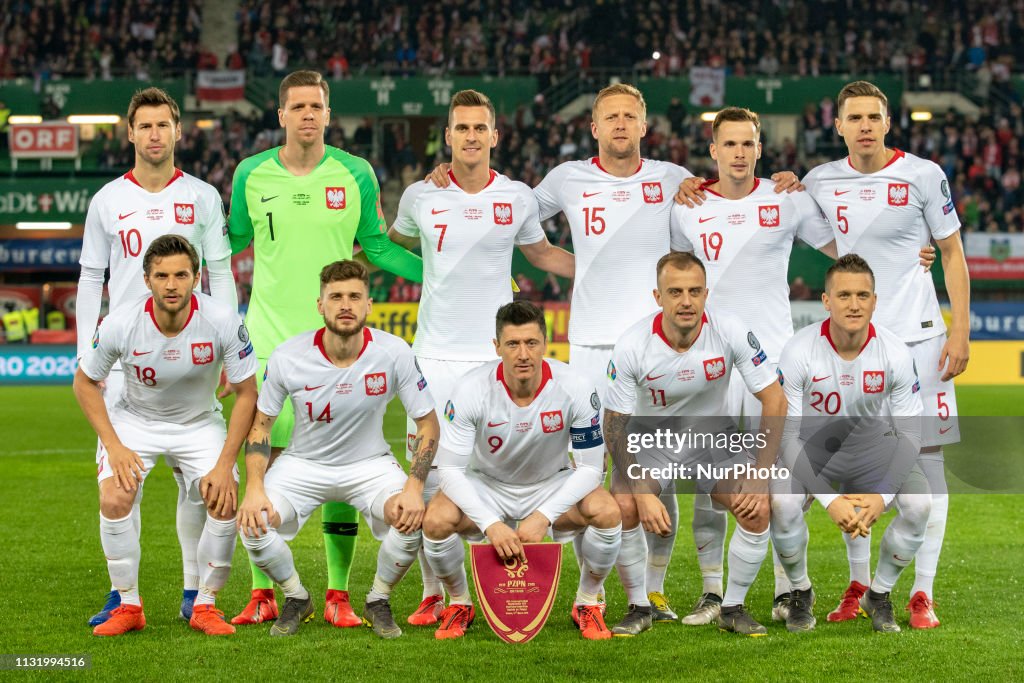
341 526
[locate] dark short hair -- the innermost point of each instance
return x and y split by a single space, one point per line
345 269
735 114
169 245
470 98
520 313
152 97
861 89
851 263
680 260
301 79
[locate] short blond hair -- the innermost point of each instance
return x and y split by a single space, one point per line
620 89
470 98
736 114
861 89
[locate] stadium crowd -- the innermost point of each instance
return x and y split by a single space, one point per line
98 38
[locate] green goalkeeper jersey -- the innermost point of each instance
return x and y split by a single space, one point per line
299 224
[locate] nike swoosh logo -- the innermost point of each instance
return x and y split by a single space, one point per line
701 547
705 220
434 212
497 424
267 199
588 195
651 379
899 559
820 379
309 388
943 431
121 217
840 194
140 353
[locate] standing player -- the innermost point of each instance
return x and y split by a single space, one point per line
504 462
743 233
339 380
855 387
885 204
302 205
467 232
172 347
152 199
673 364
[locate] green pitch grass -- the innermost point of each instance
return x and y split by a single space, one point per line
54 577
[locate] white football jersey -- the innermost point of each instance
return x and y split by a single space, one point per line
523 445
172 379
124 219
879 383
745 246
467 242
339 412
620 228
649 377
886 217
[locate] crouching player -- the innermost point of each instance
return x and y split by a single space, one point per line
339 379
172 347
676 364
854 418
504 461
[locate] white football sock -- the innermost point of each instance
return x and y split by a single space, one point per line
632 566
901 541
789 540
927 563
272 555
190 519
431 584
121 546
216 546
577 548
782 584
709 528
447 558
397 553
600 550
659 548
746 553
858 552
292 588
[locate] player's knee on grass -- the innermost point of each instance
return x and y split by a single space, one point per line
600 510
441 519
627 509
116 502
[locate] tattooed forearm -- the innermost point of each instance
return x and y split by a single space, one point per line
258 441
423 455
615 429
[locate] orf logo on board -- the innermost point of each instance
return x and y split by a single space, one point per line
768 216
899 194
184 214
502 213
552 421
652 193
202 353
376 383
335 197
874 381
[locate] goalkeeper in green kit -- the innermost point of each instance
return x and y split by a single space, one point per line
303 205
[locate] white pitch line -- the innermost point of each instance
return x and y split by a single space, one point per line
47 451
